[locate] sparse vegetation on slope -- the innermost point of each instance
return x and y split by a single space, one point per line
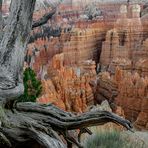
111 139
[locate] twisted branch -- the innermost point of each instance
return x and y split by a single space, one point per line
44 124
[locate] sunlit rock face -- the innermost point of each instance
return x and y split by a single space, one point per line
66 77
133 98
125 39
68 87
80 39
77 45
124 55
106 89
144 20
82 45
129 91
42 51
67 67
141 65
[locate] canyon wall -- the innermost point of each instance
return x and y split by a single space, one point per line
127 90
124 66
68 87
125 39
77 45
67 64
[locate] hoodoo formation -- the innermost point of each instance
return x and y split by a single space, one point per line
83 60
85 52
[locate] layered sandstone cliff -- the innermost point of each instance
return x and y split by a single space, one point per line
124 44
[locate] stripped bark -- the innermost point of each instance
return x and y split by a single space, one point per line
1 13
14 43
1 21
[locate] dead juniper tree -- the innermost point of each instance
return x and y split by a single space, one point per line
0 18
26 124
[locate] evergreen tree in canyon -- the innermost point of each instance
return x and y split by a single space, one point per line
32 86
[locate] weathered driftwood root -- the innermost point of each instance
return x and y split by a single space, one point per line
48 125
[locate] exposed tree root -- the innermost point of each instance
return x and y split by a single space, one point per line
48 125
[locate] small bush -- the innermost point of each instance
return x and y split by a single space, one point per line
32 86
110 139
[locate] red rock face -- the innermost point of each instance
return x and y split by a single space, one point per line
50 95
125 48
144 20
67 78
131 94
134 91
82 45
68 87
47 48
142 120
77 46
125 45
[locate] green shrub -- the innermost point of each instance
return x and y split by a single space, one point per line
110 139
32 86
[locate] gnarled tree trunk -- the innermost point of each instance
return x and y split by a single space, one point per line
30 122
1 21
14 42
